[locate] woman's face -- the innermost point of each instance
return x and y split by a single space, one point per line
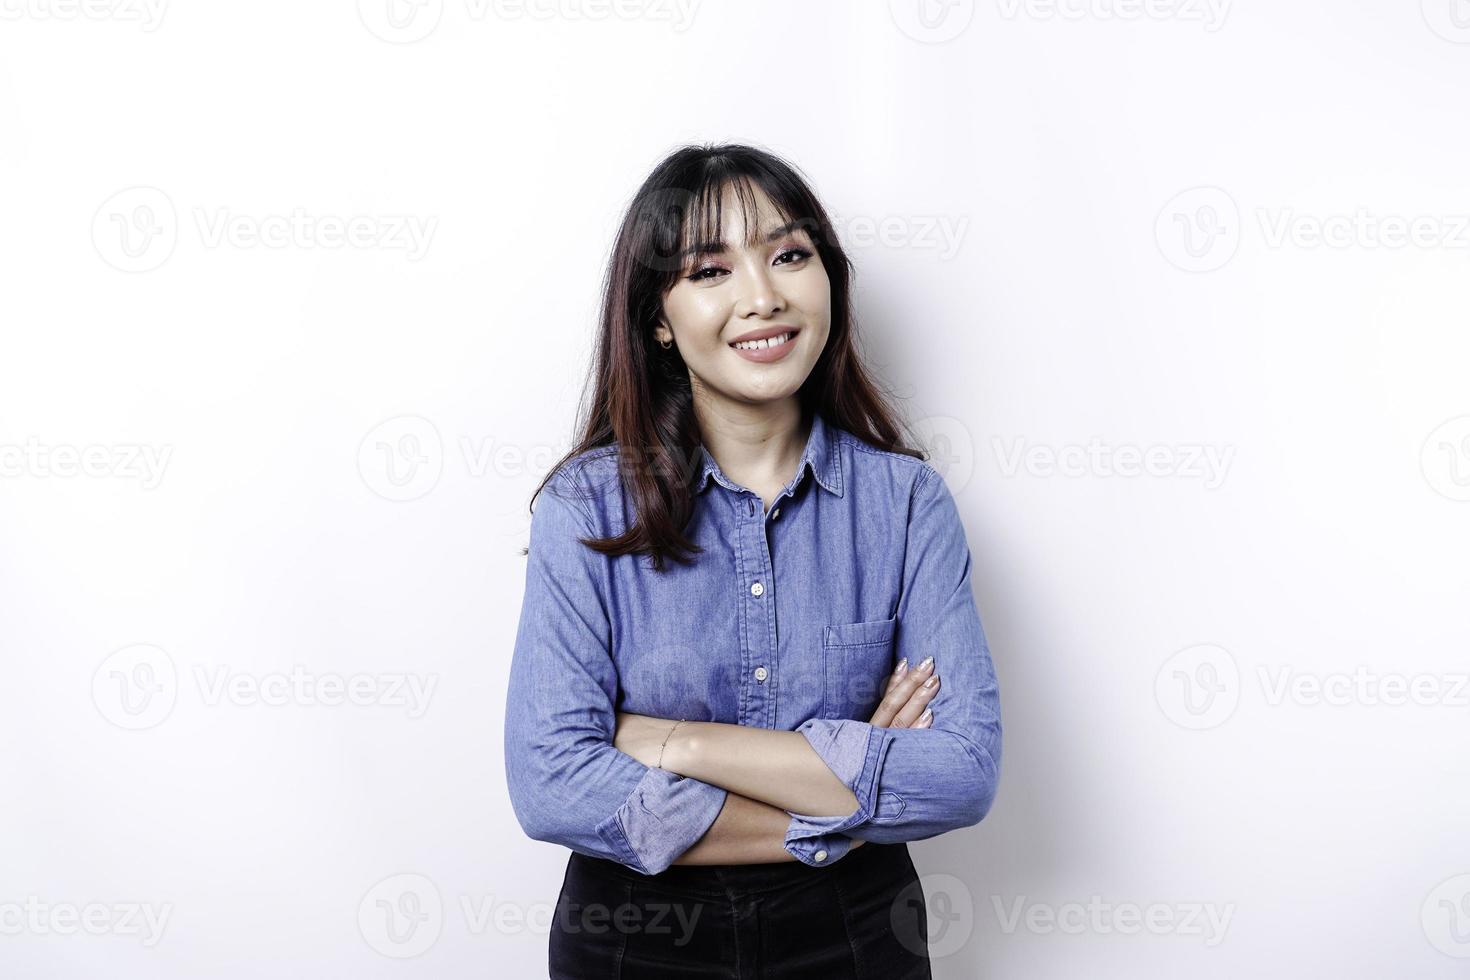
775 286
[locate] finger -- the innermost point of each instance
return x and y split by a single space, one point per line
900 692
917 703
888 707
899 673
926 719
898 695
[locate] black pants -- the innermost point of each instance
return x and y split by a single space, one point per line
862 917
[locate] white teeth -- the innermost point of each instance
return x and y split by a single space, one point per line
763 344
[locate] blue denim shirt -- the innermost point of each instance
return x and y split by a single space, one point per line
790 619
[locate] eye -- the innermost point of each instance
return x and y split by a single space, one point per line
786 257
700 274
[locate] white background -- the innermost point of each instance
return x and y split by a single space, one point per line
344 438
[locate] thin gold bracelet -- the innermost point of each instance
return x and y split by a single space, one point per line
670 735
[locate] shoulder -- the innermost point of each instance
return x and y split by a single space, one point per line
586 474
590 485
871 468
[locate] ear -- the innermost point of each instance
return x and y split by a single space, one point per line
662 333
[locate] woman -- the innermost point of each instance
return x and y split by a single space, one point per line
741 592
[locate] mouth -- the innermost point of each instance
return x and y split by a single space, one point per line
767 349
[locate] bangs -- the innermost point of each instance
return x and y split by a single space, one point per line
702 230
689 224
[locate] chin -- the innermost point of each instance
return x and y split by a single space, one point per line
770 396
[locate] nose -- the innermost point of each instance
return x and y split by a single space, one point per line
759 297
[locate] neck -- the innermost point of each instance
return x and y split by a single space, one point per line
755 445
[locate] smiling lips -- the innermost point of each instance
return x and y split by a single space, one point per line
766 350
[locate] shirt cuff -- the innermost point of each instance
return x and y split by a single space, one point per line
664 816
854 751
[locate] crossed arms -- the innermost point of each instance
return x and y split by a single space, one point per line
767 775
581 775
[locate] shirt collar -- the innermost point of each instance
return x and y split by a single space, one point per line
820 455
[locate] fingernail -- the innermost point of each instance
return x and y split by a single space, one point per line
926 717
931 681
903 665
928 662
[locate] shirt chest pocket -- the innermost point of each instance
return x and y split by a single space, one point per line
856 661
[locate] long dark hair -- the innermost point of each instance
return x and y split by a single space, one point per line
637 394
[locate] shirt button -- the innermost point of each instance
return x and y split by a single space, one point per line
757 589
775 513
819 857
761 674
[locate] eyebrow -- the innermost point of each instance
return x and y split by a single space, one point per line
718 245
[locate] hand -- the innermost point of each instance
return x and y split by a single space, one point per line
641 736
905 702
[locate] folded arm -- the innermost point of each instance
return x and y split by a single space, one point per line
917 783
778 772
902 783
568 784
746 832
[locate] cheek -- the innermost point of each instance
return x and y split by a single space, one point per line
812 291
696 317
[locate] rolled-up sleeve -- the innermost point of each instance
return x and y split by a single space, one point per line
568 784
916 783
